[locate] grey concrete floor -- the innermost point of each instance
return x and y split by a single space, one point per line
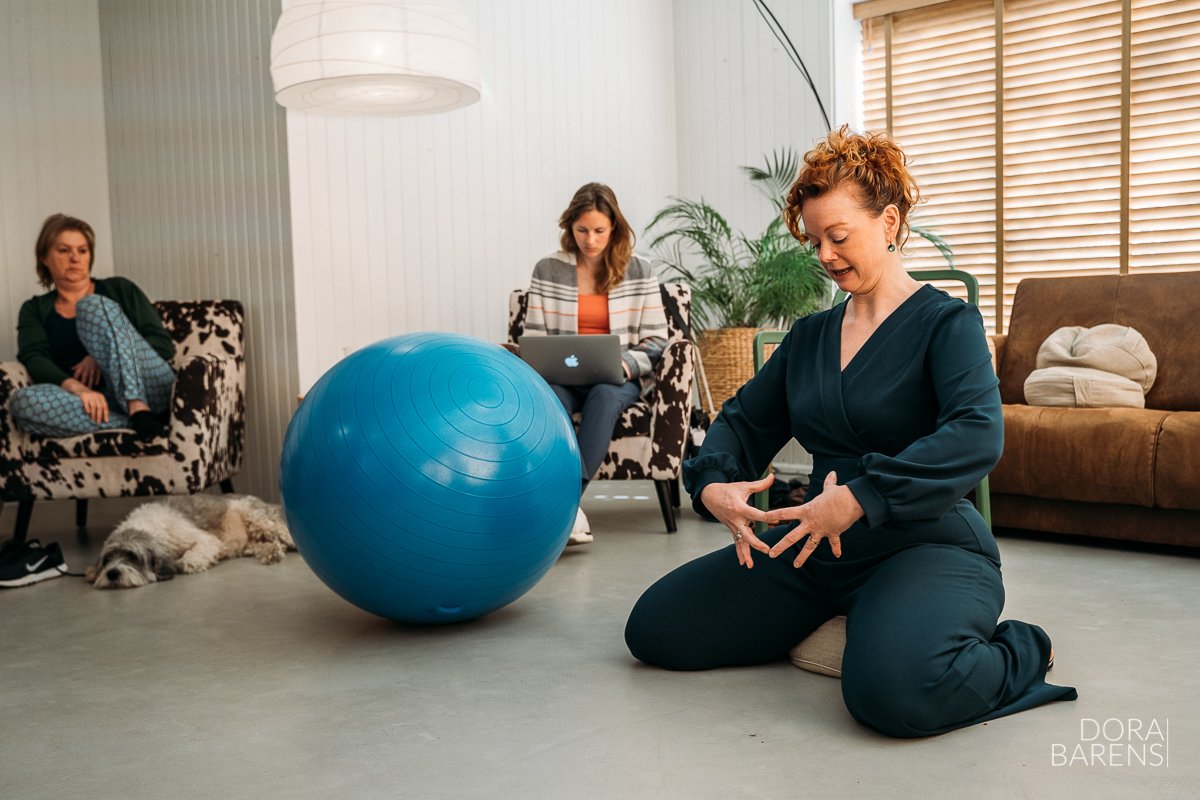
258 682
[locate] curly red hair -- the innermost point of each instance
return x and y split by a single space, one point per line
871 162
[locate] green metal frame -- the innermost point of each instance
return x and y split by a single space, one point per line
761 340
983 497
930 275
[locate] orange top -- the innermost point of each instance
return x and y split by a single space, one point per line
593 313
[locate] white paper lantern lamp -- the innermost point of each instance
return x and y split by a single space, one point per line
374 57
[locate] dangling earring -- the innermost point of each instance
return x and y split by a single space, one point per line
891 247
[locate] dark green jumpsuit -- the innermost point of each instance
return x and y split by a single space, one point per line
911 426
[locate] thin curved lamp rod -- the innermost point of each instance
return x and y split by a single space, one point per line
793 55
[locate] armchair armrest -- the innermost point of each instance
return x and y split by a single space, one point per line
208 418
997 341
671 402
518 306
13 376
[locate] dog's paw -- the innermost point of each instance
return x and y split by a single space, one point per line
233 550
191 563
268 552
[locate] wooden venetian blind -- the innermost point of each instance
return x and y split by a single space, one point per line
943 103
1062 139
1052 137
1164 184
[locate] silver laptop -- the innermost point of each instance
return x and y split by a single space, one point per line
574 360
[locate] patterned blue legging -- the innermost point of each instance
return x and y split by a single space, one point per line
130 369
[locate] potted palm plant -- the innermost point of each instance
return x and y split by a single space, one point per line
740 284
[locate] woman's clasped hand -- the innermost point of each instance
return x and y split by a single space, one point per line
825 517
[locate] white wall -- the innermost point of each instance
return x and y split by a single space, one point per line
427 223
52 153
198 169
185 132
401 224
847 65
739 97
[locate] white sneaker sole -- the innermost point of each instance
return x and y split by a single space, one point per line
580 537
35 577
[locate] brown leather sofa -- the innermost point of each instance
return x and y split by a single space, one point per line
1117 473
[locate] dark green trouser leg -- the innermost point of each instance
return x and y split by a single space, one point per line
924 654
711 612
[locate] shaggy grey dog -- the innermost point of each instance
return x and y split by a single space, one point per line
189 534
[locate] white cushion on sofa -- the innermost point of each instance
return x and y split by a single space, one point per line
1103 366
1079 387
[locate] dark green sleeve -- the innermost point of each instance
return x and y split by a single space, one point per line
33 347
925 479
750 430
143 315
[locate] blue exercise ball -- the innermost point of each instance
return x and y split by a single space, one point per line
430 478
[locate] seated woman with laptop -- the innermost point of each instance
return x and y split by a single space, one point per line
596 286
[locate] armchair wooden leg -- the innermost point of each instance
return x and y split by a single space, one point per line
227 486
664 503
81 509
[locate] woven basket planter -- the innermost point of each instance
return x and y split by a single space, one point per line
728 358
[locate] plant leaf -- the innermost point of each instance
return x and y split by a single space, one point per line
920 228
775 178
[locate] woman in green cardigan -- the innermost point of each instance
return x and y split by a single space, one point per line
95 348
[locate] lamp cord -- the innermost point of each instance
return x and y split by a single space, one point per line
790 51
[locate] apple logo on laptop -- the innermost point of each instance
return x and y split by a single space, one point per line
571 361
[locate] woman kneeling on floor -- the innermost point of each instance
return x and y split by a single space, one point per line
894 394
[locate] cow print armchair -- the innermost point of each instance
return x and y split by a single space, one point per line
202 447
649 437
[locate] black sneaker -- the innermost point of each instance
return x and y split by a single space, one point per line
11 549
34 565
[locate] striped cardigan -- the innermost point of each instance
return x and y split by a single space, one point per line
635 311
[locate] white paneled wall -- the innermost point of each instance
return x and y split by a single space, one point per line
198 169
52 154
397 224
847 58
427 223
739 97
